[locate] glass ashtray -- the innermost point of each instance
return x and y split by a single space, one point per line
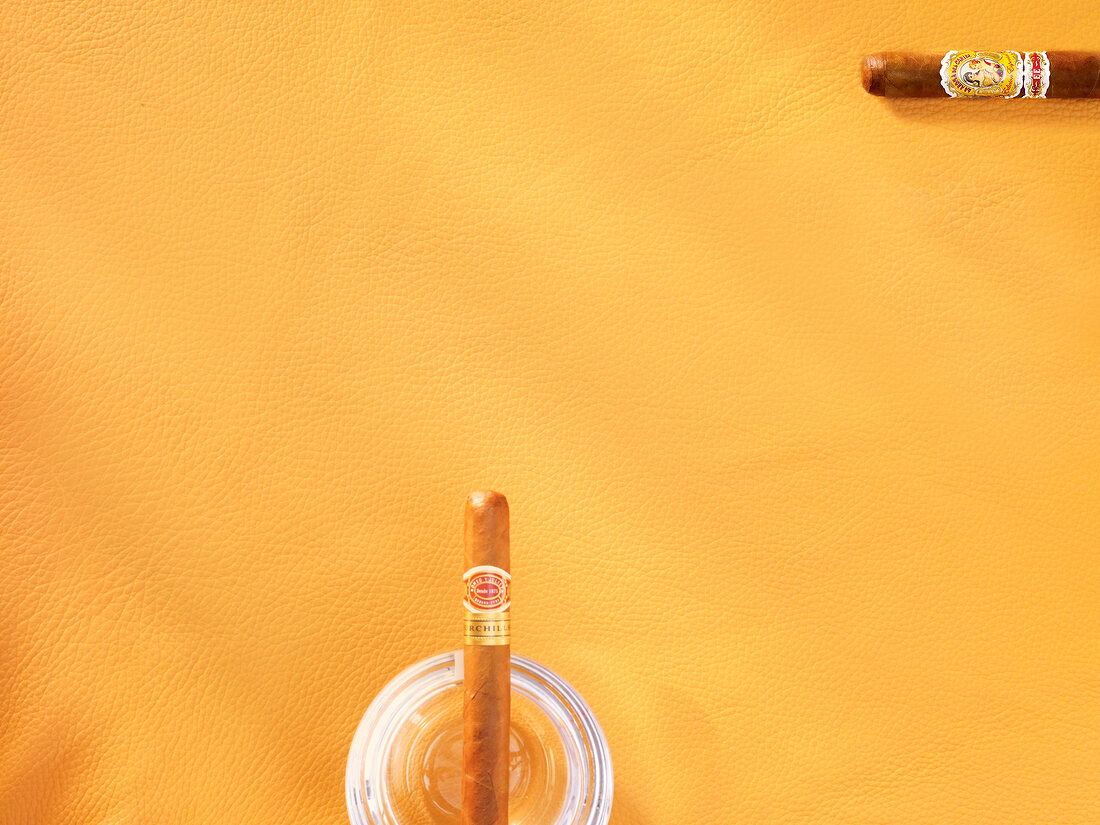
405 764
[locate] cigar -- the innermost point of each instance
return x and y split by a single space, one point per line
487 655
983 74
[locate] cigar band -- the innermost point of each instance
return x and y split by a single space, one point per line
488 589
488 628
1036 74
984 74
488 597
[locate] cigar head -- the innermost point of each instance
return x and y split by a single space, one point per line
487 530
483 501
873 73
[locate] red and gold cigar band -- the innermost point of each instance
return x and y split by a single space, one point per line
995 74
1036 74
487 599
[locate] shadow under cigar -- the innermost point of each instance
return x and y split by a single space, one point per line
993 111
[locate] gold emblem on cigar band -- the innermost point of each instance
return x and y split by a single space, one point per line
982 74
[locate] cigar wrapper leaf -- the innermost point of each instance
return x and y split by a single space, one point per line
487 656
983 74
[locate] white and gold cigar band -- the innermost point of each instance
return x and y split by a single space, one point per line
995 74
487 600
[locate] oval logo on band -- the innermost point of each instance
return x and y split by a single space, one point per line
982 73
488 589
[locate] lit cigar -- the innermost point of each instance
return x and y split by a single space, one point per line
486 709
983 74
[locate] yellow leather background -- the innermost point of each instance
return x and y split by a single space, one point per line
793 392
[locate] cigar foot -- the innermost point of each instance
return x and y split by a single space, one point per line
872 72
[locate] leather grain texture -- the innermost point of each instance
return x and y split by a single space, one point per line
793 392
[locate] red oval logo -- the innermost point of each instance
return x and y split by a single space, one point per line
487 590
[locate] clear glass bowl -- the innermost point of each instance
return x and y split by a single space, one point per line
405 763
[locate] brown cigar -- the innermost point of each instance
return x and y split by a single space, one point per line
983 74
486 709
